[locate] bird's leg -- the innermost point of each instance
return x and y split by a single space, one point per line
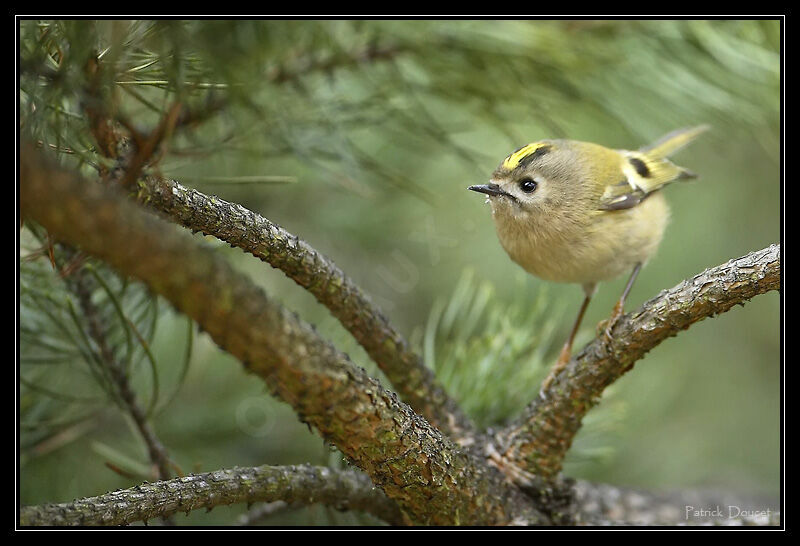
619 307
566 350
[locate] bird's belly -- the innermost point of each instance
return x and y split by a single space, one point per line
604 249
570 264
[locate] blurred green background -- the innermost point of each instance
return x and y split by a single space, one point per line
364 136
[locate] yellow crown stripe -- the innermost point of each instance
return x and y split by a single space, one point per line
514 159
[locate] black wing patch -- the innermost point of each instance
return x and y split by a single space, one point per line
640 166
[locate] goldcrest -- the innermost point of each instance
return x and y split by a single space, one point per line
578 212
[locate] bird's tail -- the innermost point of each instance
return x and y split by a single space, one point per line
649 169
672 142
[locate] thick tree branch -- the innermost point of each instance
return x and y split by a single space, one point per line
245 229
432 480
305 484
537 441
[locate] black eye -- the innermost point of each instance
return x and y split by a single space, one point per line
528 185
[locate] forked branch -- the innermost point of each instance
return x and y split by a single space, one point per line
431 479
538 440
251 232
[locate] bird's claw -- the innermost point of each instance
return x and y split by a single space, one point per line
604 327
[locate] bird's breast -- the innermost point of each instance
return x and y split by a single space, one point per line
584 250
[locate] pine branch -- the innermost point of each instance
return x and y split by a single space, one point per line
82 286
304 484
295 486
432 480
245 229
249 231
538 440
294 70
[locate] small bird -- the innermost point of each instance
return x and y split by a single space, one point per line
577 212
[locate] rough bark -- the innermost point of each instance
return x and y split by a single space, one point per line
245 229
538 440
413 381
285 487
431 479
304 484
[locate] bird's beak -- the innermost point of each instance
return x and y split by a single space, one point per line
489 189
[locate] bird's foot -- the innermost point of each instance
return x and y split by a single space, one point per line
604 327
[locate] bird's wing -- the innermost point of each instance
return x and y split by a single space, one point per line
648 170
